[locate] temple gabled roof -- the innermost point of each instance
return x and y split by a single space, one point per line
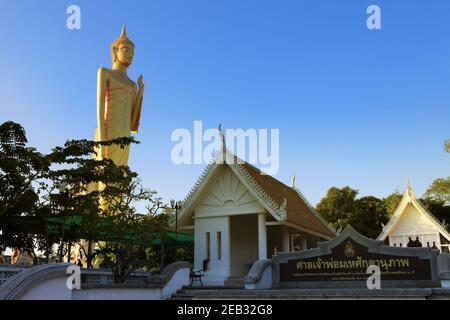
297 208
409 197
284 203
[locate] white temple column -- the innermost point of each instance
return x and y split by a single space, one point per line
286 240
262 236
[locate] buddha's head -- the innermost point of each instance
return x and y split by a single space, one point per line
122 49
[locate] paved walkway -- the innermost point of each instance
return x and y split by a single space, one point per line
221 293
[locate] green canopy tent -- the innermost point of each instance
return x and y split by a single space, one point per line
182 238
74 222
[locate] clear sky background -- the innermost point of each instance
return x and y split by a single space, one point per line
354 107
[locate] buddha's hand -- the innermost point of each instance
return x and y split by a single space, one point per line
140 83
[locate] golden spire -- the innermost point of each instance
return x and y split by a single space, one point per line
124 31
123 38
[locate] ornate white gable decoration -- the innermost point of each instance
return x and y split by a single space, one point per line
409 197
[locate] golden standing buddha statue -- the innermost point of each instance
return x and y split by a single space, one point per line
119 104
119 101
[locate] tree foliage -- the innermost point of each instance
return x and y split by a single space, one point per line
20 166
341 207
437 199
439 210
338 206
368 214
55 199
391 202
439 191
125 235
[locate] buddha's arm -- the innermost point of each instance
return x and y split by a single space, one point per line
101 97
137 107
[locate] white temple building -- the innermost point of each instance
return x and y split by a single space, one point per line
239 216
412 219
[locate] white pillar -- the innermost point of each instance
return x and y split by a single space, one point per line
286 240
262 236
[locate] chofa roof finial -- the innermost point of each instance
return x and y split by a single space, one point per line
224 146
293 181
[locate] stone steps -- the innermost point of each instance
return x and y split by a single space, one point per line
303 294
234 282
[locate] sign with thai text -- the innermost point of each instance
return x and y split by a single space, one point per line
349 261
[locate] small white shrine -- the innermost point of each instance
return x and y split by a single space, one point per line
412 220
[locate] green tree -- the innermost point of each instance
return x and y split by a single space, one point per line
48 199
391 202
69 190
126 235
439 210
338 206
109 217
20 167
370 214
439 191
437 199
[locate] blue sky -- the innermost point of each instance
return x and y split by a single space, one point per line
358 107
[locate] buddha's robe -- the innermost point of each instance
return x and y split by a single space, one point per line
121 118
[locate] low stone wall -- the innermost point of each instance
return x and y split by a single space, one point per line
118 292
154 287
443 263
49 282
7 271
104 276
44 282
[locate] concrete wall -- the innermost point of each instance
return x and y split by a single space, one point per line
49 282
218 270
244 243
43 282
112 293
159 288
51 289
7 271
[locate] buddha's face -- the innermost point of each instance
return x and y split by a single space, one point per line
124 54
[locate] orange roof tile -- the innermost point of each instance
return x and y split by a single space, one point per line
298 212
